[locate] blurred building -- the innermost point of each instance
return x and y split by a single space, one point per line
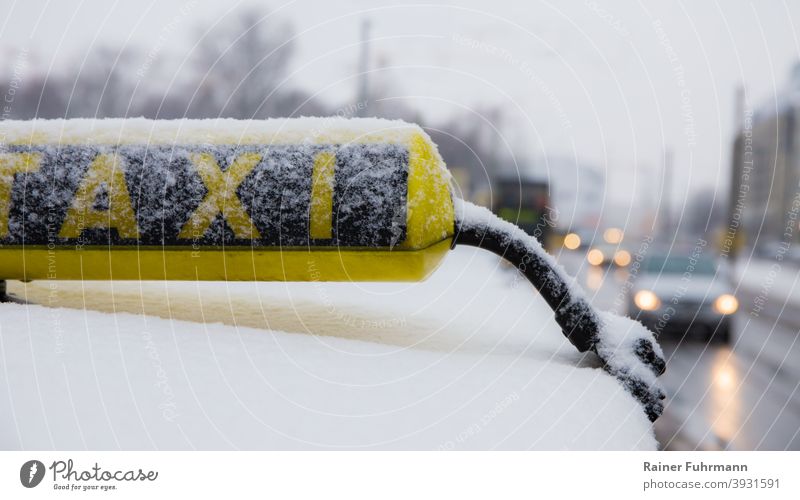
765 188
525 201
578 192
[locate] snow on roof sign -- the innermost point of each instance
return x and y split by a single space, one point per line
220 195
292 200
242 200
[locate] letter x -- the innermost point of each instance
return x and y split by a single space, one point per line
221 197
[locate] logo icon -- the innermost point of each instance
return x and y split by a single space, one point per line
31 473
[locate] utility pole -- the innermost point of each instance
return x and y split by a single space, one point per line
666 193
362 94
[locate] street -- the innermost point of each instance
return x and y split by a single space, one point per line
737 397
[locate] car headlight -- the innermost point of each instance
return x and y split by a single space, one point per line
622 258
726 304
646 300
595 257
572 241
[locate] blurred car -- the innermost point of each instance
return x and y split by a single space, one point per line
586 237
608 254
683 294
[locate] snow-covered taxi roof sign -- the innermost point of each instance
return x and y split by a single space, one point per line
226 193
303 199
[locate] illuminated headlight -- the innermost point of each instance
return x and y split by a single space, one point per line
646 300
622 258
572 241
613 235
595 257
726 304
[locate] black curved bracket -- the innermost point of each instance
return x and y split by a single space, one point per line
578 320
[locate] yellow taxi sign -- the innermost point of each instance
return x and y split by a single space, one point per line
242 207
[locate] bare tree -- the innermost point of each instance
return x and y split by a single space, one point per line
469 141
240 65
705 212
103 84
39 96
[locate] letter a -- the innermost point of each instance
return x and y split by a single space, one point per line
10 165
106 172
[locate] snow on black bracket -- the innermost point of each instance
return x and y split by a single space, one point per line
629 351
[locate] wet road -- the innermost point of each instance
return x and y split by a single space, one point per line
741 396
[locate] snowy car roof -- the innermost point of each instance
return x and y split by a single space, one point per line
299 366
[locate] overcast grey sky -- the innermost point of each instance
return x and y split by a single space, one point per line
611 82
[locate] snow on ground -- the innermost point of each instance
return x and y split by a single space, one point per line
470 359
773 280
769 291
